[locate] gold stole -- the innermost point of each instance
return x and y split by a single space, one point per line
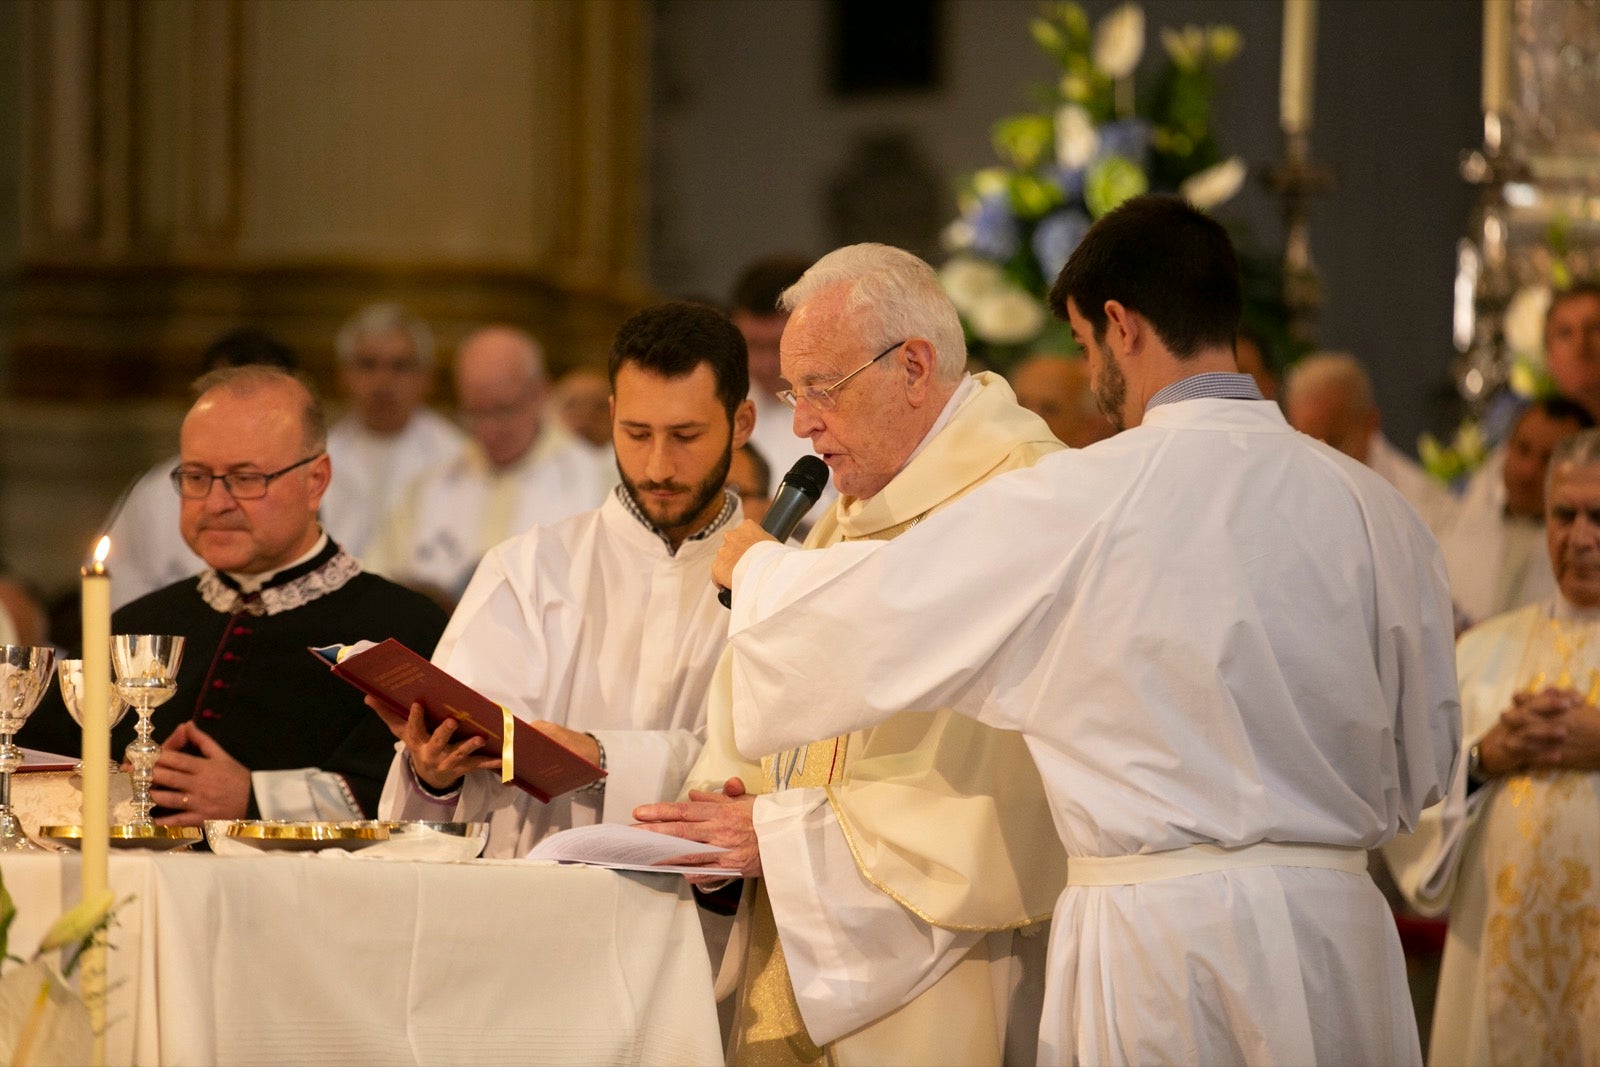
1542 923
769 1031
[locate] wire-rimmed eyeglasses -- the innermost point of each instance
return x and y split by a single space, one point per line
823 397
194 483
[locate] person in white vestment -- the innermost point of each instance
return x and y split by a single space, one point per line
1484 586
1494 551
390 436
1329 396
518 470
1517 864
904 871
150 550
1228 646
603 629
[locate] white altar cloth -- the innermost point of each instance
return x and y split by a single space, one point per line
326 958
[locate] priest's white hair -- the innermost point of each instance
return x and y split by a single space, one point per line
893 295
384 318
1339 371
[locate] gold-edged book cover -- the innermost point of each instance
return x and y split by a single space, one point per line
398 677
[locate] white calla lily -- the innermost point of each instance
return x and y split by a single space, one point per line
1524 321
1007 316
968 281
1119 41
1214 185
1076 138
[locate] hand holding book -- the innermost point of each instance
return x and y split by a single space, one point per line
398 679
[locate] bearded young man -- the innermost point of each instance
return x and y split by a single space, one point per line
602 629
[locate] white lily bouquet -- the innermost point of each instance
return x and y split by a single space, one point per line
43 1020
1097 142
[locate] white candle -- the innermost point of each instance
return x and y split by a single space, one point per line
1496 52
1299 65
96 772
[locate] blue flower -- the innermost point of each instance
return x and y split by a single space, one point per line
1128 138
1070 182
1056 237
994 230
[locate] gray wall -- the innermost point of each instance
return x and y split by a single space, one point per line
747 141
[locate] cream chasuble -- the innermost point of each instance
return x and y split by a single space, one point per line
943 815
1520 875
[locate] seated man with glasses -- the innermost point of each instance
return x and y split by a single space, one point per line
259 727
924 843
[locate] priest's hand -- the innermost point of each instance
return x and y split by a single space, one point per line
1528 732
211 785
581 743
436 760
723 818
735 543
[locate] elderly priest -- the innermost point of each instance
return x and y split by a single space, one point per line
1518 862
259 727
1227 646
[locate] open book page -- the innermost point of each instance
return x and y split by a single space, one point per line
625 848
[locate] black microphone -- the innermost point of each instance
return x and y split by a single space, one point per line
799 490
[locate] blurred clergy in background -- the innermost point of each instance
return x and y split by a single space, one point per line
259 728
390 435
519 469
602 629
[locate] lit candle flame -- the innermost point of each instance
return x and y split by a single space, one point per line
102 549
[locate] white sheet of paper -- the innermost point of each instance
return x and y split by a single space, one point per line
624 848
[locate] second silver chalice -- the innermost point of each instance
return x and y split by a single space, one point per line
146 666
69 672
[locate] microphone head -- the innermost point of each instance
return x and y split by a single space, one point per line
809 475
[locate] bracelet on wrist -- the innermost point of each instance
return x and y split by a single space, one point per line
599 784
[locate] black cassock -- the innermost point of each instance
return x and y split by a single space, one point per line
246 677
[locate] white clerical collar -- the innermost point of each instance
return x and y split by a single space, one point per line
249 583
963 391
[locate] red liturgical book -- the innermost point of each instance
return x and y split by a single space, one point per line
399 677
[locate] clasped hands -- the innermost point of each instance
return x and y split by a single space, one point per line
1549 729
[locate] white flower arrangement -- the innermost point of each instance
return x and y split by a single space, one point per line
1095 145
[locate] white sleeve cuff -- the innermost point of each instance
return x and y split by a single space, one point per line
304 794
